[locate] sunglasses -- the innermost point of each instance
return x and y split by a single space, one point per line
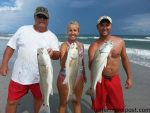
40 16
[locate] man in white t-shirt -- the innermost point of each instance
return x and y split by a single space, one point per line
25 74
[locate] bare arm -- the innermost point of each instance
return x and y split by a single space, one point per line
7 55
126 65
63 55
91 53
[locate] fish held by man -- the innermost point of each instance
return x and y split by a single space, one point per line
46 78
99 63
72 68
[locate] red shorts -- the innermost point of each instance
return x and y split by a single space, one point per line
109 93
16 90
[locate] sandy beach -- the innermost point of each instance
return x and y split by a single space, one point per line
136 98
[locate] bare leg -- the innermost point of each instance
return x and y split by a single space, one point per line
63 92
77 94
11 106
37 105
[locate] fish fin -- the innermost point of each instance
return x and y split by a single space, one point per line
44 109
65 81
68 96
100 80
106 61
51 92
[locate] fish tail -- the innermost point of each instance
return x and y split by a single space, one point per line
91 92
44 109
51 92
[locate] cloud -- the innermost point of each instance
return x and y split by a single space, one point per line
18 13
11 15
138 24
17 6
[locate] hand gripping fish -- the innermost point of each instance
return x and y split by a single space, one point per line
46 77
99 62
72 68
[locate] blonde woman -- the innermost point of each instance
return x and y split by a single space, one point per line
73 29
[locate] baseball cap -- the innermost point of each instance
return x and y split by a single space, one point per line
104 18
41 10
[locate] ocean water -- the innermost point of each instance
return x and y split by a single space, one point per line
137 46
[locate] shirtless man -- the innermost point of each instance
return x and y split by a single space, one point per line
109 92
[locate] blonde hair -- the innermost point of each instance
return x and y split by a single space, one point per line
74 23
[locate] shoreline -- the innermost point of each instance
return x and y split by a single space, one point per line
134 54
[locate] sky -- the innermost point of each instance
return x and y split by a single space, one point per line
129 17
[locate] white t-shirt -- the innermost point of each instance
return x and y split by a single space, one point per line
26 41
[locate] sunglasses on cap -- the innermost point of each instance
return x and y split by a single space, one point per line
40 16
